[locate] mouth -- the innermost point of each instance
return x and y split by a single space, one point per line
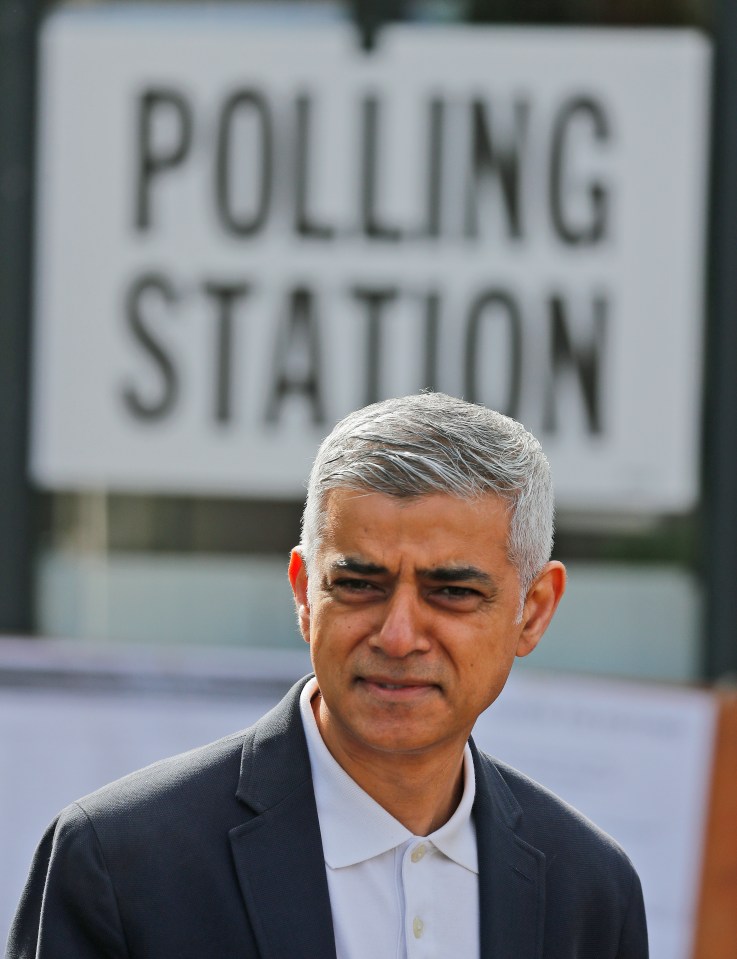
387 688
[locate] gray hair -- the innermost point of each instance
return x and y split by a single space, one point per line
433 443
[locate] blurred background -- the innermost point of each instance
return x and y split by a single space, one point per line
225 225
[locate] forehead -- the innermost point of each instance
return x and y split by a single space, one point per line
428 529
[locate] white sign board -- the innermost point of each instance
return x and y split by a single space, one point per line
245 231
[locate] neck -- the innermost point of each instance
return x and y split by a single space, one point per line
422 791
423 800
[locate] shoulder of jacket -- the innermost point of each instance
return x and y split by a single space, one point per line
546 819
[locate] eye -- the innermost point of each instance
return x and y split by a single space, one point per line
348 587
457 597
359 585
458 592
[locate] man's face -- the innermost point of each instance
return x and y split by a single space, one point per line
412 620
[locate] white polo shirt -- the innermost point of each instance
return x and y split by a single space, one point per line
393 895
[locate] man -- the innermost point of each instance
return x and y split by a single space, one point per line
357 820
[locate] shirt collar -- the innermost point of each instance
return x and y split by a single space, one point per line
342 804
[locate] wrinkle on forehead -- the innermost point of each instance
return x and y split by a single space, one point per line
439 539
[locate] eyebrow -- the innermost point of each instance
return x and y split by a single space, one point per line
454 574
351 564
439 574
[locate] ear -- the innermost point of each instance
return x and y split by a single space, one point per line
541 602
298 581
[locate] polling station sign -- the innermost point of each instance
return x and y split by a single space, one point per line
246 230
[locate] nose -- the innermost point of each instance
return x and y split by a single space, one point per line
403 629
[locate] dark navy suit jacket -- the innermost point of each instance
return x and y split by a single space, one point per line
217 853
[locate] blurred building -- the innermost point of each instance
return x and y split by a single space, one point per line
246 219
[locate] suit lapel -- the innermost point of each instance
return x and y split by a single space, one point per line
511 872
278 853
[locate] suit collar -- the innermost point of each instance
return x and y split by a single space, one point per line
274 760
511 871
278 852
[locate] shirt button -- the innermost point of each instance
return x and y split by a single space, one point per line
418 852
417 926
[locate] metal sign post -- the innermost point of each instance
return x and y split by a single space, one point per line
720 432
17 101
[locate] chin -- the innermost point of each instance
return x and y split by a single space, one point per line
396 742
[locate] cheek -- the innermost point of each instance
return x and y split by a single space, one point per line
342 626
486 668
